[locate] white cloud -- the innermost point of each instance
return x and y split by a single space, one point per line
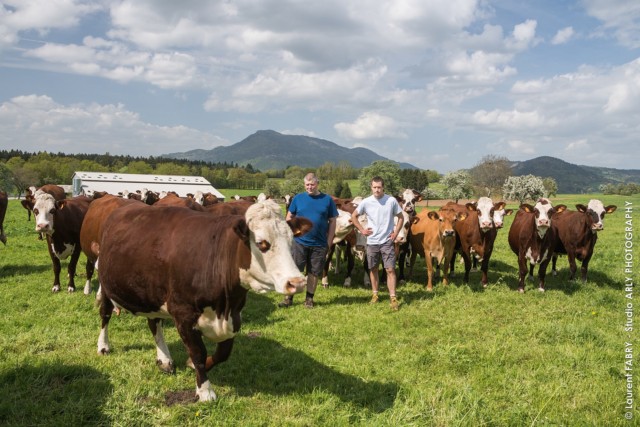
370 125
91 128
620 17
563 36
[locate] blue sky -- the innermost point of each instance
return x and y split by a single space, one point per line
436 83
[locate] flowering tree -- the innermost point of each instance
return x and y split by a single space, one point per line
524 187
457 185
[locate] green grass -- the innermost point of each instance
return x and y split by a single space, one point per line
460 356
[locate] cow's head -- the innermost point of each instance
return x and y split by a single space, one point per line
408 200
499 212
44 209
447 219
543 211
484 209
403 234
595 212
344 226
270 238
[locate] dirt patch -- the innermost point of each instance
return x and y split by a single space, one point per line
180 397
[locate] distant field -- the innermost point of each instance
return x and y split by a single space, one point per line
459 356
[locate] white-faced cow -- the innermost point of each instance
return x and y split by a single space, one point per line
533 239
578 233
194 268
61 221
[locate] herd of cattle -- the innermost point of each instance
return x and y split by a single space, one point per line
139 244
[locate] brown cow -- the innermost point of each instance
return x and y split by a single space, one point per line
578 233
493 213
468 236
533 239
91 231
28 202
4 203
433 236
61 221
143 269
229 208
171 199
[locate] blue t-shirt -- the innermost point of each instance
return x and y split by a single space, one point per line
380 213
318 209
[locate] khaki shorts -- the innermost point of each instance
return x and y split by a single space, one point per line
386 251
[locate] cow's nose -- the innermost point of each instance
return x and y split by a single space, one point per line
486 224
498 225
543 222
295 285
448 233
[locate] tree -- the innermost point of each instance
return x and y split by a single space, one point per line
387 170
294 172
272 188
346 191
140 167
550 187
292 186
522 188
490 173
457 185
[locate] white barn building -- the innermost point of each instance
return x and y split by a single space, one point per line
113 183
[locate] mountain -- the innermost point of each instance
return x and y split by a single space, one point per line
268 149
573 178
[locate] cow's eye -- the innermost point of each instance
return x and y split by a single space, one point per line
263 245
36 211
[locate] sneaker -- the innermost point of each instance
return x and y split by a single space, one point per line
308 302
394 304
374 299
286 302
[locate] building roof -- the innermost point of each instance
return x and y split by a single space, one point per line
114 183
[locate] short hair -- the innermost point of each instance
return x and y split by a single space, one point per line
311 177
377 179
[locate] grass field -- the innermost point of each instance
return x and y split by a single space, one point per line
460 356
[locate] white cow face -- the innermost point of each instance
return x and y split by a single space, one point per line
543 211
408 200
344 225
484 208
404 231
270 239
43 210
499 212
597 210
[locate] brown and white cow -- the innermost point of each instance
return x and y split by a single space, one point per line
496 212
578 233
433 236
4 203
143 268
533 239
344 239
61 221
407 200
28 203
91 231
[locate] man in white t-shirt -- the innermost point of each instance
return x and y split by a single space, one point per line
381 234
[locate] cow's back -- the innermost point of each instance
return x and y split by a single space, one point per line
143 247
99 210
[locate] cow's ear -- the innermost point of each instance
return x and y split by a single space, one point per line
581 208
242 230
471 206
508 211
433 215
60 204
300 225
462 216
415 219
527 207
499 205
560 208
610 209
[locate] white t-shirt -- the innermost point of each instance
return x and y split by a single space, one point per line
380 213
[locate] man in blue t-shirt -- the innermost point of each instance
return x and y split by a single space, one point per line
310 250
381 210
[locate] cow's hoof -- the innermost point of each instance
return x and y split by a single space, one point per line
71 289
541 289
55 289
103 351
521 290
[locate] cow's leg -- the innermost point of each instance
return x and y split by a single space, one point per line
452 263
467 266
350 264
554 260
89 270
445 272
542 272
522 271
338 251
327 263
531 268
429 261
585 266
55 261
71 268
106 309
164 360
192 339
484 267
571 256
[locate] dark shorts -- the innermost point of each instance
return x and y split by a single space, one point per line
310 257
386 251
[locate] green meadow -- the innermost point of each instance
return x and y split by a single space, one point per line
459 356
